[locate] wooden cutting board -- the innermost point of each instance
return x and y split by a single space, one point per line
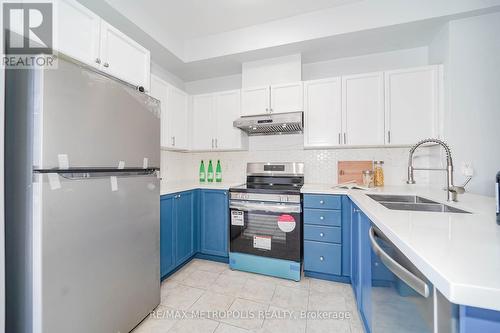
352 171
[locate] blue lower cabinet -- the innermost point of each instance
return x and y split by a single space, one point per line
214 222
184 226
326 240
167 262
322 257
177 226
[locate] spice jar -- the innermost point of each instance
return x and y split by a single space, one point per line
368 178
378 178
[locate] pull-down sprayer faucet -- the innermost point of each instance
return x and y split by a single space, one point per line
451 189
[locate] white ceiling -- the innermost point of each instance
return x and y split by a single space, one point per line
186 19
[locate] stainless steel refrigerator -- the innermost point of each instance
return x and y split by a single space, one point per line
82 201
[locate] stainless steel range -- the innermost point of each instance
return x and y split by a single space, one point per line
266 220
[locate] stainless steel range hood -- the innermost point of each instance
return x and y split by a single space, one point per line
271 124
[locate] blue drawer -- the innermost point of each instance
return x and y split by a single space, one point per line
331 218
323 234
322 257
322 201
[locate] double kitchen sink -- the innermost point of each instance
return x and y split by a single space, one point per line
413 203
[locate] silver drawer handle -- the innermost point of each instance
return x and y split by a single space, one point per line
321 234
321 258
411 280
321 218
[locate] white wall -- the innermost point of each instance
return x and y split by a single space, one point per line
167 76
366 63
317 70
470 50
222 83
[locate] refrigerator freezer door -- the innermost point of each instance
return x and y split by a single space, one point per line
85 119
97 240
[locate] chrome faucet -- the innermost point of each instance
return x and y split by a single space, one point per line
451 189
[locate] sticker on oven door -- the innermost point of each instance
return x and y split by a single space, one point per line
262 242
286 223
237 218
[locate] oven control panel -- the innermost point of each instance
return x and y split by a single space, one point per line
267 197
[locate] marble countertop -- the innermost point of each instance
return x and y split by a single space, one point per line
459 253
167 187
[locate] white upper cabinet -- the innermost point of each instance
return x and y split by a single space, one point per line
159 90
213 116
203 122
278 98
255 100
86 37
287 98
227 110
78 32
412 101
123 57
177 118
363 109
322 112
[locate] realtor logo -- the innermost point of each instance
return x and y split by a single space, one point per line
28 34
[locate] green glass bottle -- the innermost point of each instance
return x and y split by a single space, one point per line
218 172
203 175
210 172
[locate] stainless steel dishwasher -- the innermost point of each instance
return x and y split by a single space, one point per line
402 298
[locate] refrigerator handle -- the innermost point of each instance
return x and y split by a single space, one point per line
75 174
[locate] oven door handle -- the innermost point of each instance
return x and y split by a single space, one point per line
265 207
409 278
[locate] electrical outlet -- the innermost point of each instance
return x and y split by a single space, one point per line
467 169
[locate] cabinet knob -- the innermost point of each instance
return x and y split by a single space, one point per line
321 234
97 61
321 218
321 202
321 258
106 65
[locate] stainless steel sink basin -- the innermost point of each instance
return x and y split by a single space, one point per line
400 198
413 203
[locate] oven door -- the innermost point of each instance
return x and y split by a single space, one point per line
266 229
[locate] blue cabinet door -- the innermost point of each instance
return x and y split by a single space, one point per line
214 222
184 226
167 216
346 235
355 280
365 269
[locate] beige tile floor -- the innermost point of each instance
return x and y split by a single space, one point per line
209 297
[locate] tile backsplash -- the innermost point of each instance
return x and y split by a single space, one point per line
320 165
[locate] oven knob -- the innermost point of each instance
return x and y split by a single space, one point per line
246 196
284 199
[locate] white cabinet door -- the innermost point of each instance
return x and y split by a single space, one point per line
203 137
255 100
78 32
227 110
123 57
159 90
322 113
287 97
411 104
363 109
177 118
